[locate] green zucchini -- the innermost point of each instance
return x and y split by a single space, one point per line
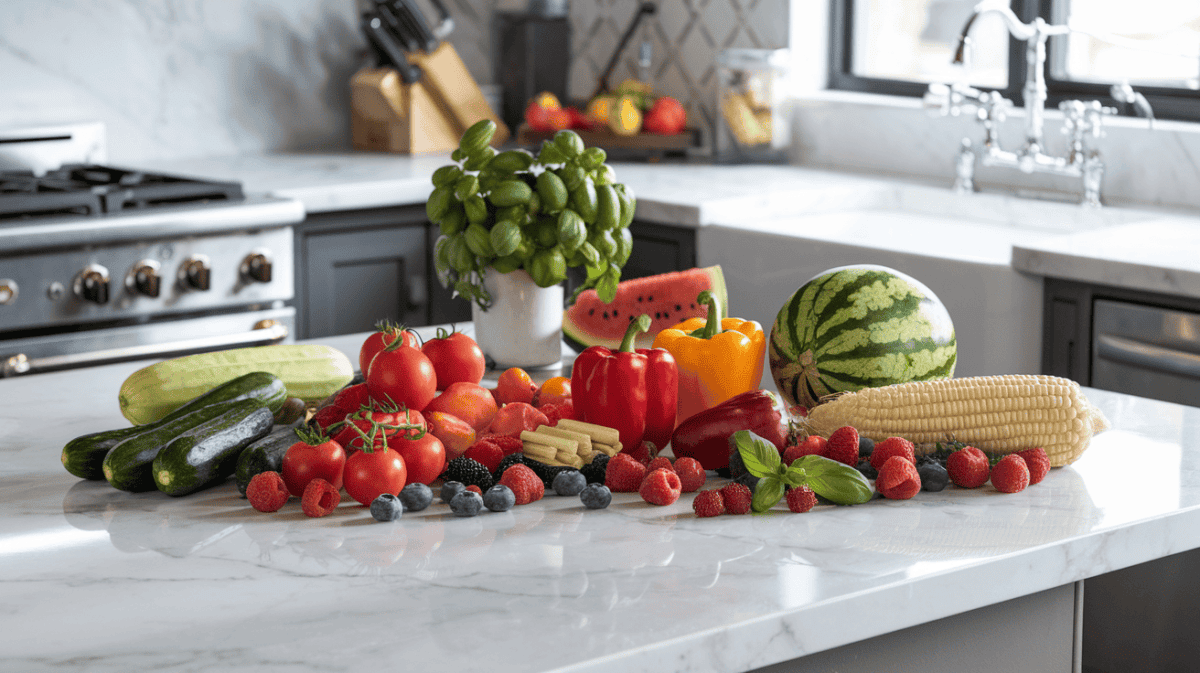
265 455
84 455
206 454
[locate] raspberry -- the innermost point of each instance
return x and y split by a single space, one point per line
554 412
801 499
320 498
327 416
267 492
624 474
843 446
509 445
893 446
475 489
708 503
661 461
1011 474
737 498
691 474
898 478
813 445
486 453
660 487
525 485
968 467
1037 462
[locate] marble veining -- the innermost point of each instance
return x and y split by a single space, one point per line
101 580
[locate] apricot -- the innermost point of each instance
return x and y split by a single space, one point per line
515 385
555 390
455 433
469 401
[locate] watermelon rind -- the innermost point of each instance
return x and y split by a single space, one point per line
856 327
581 330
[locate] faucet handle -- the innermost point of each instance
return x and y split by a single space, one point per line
937 97
1082 119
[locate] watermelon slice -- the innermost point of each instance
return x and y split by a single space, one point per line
668 298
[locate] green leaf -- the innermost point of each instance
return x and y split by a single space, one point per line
606 289
795 475
833 480
768 492
760 456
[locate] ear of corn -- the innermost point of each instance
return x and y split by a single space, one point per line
1001 414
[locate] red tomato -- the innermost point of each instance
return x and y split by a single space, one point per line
666 117
402 376
456 358
382 338
305 461
424 457
385 422
369 474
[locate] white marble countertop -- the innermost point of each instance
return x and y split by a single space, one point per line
96 579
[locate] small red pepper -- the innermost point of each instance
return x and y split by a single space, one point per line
705 436
633 391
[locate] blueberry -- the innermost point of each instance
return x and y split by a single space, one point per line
451 489
864 466
866 446
569 482
499 498
416 497
595 496
466 503
386 507
934 477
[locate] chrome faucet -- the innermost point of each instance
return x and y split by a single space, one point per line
1081 120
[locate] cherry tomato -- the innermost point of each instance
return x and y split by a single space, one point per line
315 455
403 376
385 422
555 390
368 474
456 358
381 338
425 458
514 385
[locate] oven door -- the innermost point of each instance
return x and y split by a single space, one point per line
1147 351
157 339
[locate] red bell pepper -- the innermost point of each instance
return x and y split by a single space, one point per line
705 436
633 391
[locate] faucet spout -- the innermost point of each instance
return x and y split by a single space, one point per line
1019 30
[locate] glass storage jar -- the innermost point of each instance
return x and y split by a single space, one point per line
753 119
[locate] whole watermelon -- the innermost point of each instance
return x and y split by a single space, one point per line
857 327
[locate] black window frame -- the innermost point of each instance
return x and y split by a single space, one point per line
1167 102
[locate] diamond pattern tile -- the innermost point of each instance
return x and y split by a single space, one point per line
768 19
721 19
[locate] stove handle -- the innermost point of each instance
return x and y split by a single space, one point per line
264 332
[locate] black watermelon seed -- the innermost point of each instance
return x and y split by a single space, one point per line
606 315
591 311
639 298
678 307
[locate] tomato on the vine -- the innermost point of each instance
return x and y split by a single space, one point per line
402 375
369 474
315 455
424 457
385 335
456 358
383 419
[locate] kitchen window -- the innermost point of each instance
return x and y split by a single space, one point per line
901 46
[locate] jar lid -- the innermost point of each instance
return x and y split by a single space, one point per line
754 59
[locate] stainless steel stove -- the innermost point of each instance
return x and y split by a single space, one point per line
104 264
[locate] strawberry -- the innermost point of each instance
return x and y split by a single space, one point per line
893 446
660 462
898 478
1011 474
508 445
660 487
267 492
643 453
1037 462
624 474
968 467
843 446
812 445
525 484
708 503
801 499
737 498
691 474
486 453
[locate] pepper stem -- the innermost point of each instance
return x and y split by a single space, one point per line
712 324
636 327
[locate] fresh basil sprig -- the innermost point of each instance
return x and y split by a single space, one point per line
830 479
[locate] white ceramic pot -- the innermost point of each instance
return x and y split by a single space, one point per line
523 327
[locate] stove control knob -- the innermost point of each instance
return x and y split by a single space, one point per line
144 279
92 284
195 273
256 268
8 290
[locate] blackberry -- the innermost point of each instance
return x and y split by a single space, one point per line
451 489
386 507
506 462
866 446
466 503
569 482
595 496
416 497
864 466
499 498
934 476
545 472
469 472
596 470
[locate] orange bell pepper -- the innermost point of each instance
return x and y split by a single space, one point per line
714 365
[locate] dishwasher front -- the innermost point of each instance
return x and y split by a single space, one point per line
1146 351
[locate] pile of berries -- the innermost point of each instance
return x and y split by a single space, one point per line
660 482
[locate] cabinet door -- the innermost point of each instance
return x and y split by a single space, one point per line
357 277
658 249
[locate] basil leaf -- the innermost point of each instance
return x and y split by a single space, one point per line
833 480
766 494
760 456
795 475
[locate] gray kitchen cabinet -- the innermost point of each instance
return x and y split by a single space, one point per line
659 248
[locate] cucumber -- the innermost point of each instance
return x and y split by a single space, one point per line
84 455
205 454
265 455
